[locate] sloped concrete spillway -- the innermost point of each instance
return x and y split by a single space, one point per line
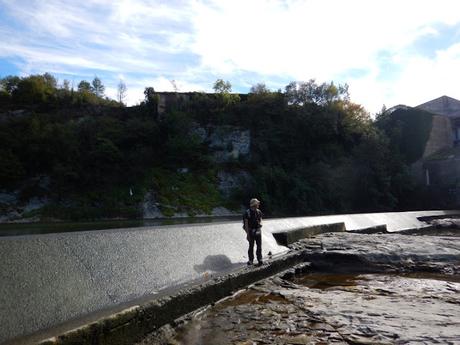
50 279
62 281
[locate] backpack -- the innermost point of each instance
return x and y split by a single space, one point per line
253 218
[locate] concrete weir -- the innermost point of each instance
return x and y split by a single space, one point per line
107 287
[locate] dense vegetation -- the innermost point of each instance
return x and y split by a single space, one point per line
408 130
312 151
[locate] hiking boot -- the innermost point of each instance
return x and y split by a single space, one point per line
260 263
249 263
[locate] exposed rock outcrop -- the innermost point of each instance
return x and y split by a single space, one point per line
228 143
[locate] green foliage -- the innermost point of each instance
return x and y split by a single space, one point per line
84 86
35 89
97 87
259 89
151 100
5 99
189 192
300 93
41 93
11 169
221 86
10 83
224 97
150 96
408 129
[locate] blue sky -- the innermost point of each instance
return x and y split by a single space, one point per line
389 52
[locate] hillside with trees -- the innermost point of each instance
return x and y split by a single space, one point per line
312 151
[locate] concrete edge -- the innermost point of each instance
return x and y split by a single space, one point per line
421 230
428 218
134 323
290 236
376 229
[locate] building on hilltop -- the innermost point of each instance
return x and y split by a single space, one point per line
439 165
443 105
449 108
170 99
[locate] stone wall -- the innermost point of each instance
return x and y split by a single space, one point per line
441 136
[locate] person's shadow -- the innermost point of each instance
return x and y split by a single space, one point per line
216 263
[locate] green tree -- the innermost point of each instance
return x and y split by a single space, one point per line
50 80
84 86
225 98
35 89
300 93
221 86
66 85
151 100
259 89
97 87
149 95
10 83
121 92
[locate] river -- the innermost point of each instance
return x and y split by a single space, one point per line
18 229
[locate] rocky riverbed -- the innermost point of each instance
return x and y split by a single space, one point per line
353 289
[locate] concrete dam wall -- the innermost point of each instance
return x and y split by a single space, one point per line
56 282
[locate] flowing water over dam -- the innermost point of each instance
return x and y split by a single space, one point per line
18 229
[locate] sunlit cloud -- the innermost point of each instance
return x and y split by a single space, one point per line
389 52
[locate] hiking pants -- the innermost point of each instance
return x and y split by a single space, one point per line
255 235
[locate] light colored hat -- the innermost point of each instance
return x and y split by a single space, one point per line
254 202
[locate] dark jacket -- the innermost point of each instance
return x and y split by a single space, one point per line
254 218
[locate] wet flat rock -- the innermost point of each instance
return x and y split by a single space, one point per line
416 300
397 251
262 318
387 309
365 309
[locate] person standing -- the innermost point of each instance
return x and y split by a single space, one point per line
252 219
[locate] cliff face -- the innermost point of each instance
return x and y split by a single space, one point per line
227 145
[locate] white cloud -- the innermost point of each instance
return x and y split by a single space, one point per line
196 41
424 79
316 39
136 87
